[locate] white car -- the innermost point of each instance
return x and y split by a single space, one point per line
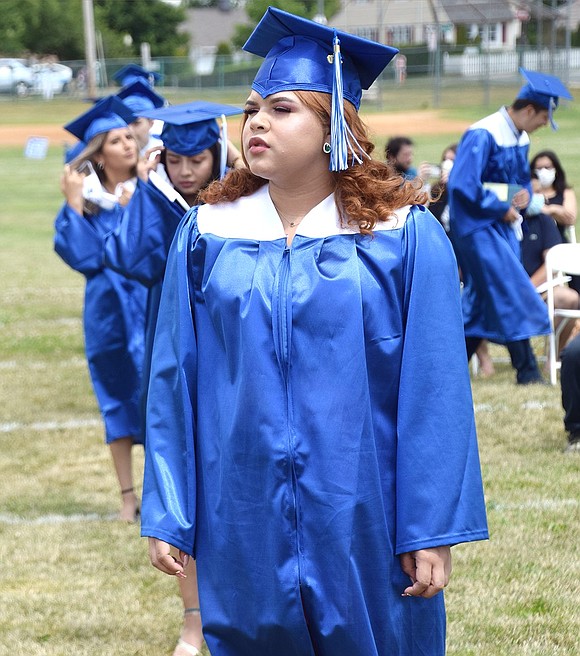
15 76
51 78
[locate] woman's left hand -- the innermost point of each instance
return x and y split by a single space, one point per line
429 570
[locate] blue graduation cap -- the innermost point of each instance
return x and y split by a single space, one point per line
133 72
544 90
106 114
140 97
303 55
190 128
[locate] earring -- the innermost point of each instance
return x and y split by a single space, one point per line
100 166
326 148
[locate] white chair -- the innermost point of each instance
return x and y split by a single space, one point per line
561 259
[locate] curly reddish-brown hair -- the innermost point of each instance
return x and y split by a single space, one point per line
364 193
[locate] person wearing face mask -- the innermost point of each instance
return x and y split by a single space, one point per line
97 185
559 199
489 185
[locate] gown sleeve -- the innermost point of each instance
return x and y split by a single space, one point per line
169 490
138 248
439 488
472 206
77 242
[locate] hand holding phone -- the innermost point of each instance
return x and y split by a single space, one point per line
85 167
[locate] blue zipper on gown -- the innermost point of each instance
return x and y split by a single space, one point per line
284 328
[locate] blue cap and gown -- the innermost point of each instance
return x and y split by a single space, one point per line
114 308
499 300
132 72
140 97
310 414
139 246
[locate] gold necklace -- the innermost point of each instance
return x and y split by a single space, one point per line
290 224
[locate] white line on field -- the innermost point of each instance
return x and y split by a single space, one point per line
528 405
41 364
535 504
13 426
16 520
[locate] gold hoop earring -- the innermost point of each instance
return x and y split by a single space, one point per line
326 148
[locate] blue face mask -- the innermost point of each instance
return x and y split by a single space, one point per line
536 205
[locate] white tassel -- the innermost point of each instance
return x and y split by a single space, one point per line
338 135
342 139
224 147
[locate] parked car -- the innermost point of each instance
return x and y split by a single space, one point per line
15 76
51 78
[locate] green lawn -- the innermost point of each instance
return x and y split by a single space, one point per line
84 586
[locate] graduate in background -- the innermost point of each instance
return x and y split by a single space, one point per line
489 184
140 99
195 151
97 184
132 72
298 443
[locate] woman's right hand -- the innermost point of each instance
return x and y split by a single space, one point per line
148 162
160 556
71 185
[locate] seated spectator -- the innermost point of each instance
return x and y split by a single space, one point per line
399 153
570 381
540 235
559 198
440 207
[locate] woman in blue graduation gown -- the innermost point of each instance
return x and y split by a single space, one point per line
195 152
114 309
310 438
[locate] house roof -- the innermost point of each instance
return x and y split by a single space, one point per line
469 12
209 26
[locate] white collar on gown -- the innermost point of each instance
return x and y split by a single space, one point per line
255 217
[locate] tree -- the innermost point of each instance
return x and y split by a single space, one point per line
150 21
257 8
56 27
13 26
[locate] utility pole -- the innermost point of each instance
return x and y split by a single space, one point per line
568 43
436 56
90 47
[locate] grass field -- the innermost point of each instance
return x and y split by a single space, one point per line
74 582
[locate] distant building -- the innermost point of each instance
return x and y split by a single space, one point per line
404 22
495 24
207 28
